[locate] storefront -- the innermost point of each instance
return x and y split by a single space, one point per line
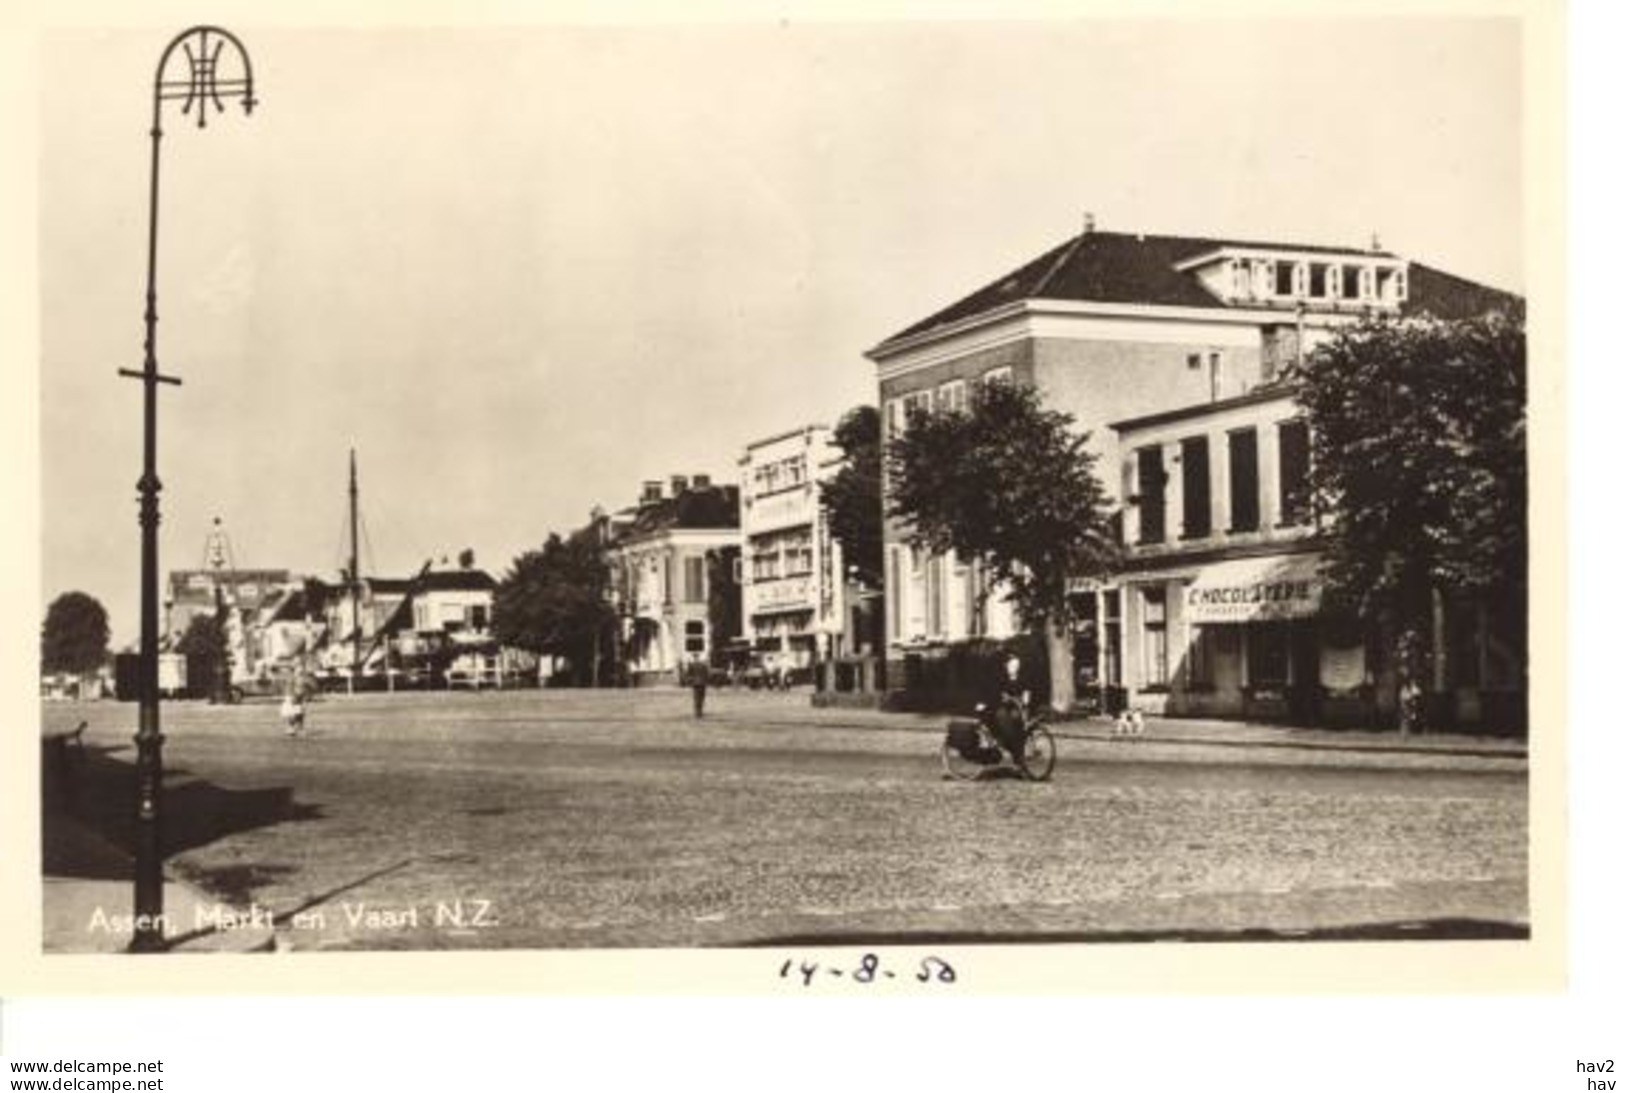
1239 638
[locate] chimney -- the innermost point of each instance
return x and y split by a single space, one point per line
1088 223
651 492
702 481
1376 241
679 484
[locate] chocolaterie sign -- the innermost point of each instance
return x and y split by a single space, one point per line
1255 589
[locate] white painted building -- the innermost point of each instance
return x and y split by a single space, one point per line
1112 327
792 576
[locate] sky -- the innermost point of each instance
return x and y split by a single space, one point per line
519 271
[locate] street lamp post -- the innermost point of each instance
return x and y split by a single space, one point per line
205 81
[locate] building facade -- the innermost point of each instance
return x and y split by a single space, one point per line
1116 328
1218 610
664 557
791 576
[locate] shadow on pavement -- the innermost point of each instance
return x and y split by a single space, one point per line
1439 929
89 826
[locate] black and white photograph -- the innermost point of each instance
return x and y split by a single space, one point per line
858 492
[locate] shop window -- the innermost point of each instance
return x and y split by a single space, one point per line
1113 651
1086 642
1199 659
1152 503
1269 655
1244 480
1154 602
1294 449
1197 517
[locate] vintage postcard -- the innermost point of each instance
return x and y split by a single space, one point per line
831 504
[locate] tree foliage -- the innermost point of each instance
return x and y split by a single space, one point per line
723 605
851 496
206 646
554 601
1012 484
74 635
1418 467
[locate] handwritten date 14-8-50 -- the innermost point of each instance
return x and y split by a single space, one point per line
930 969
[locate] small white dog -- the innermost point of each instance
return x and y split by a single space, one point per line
1130 722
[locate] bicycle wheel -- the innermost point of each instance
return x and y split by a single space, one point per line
959 768
1038 757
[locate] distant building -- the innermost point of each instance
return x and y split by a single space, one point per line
667 555
791 573
236 596
192 592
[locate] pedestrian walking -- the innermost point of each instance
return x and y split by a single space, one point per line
293 703
698 675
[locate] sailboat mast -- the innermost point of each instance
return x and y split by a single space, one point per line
355 580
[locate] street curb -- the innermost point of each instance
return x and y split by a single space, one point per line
1063 730
1467 751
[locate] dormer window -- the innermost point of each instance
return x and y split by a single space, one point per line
1240 280
1263 277
1390 287
1279 277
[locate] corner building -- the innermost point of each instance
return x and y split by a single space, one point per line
1117 329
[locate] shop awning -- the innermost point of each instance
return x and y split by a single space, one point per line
1256 589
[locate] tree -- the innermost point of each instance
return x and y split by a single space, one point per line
554 602
74 635
1012 484
206 649
1418 471
724 609
852 496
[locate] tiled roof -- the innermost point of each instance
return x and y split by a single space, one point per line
708 508
1116 267
452 580
1446 296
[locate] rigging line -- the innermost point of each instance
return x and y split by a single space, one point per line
366 545
342 553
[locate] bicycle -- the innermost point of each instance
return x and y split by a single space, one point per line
970 751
